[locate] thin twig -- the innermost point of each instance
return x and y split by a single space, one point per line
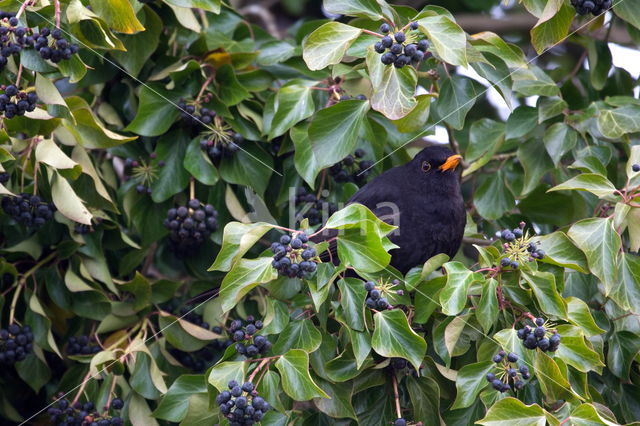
396 395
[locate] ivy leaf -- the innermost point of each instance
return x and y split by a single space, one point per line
301 334
393 337
352 294
623 348
393 88
595 183
66 200
221 374
493 198
368 9
615 123
197 163
292 104
457 97
574 351
487 309
627 292
559 139
580 315
553 25
453 297
600 243
363 251
245 275
358 216
553 381
140 46
231 92
339 403
587 415
296 381
559 250
425 398
328 44
155 114
543 285
210 5
237 239
333 134
172 178
449 40
510 411
250 166
471 379
119 14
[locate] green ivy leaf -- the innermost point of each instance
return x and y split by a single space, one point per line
352 294
553 380
368 9
574 351
457 97
210 5
471 379
449 40
615 123
425 398
328 44
245 275
553 25
296 380
595 183
559 250
363 251
119 14
393 88
250 166
155 114
292 104
600 243
453 297
221 374
493 198
580 315
510 411
198 164
172 178
140 46
543 285
237 239
300 334
393 337
559 139
487 309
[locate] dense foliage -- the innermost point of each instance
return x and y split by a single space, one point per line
165 166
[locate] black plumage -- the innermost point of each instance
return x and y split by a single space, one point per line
424 200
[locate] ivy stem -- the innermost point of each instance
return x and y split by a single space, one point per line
14 301
322 180
373 33
35 177
264 362
396 395
23 7
192 188
268 358
111 390
19 76
57 12
204 87
85 380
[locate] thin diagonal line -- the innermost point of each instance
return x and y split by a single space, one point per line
142 83
492 86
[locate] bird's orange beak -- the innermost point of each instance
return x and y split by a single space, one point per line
451 163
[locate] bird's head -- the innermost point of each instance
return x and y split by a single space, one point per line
436 161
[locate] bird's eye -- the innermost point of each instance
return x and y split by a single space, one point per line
426 166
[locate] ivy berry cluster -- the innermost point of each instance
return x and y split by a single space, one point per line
15 344
539 337
190 225
400 54
518 247
218 149
508 377
292 256
241 404
14 102
51 45
595 7
309 206
247 343
375 293
13 38
351 169
77 413
193 113
82 345
28 210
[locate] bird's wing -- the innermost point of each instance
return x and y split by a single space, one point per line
382 196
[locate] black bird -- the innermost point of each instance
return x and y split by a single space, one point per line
424 200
